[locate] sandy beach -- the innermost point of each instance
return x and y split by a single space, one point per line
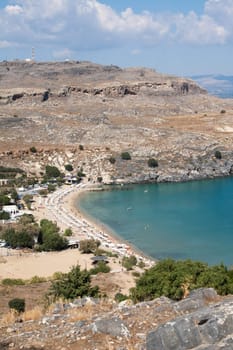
60 207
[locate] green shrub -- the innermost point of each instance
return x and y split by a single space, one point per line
37 279
218 154
73 284
99 179
81 147
80 173
69 167
125 156
152 163
52 171
68 232
141 264
129 262
22 239
17 305
112 160
120 297
100 267
136 274
13 282
4 215
33 149
172 278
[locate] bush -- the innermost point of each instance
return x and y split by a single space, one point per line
13 282
129 262
37 279
88 246
112 160
49 237
17 305
69 167
81 147
68 232
152 163
99 179
172 279
223 111
120 297
125 156
51 188
20 239
33 149
73 284
4 215
218 154
100 267
52 171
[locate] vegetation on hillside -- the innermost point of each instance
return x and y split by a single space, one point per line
173 279
74 284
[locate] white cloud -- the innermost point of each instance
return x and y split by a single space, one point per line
4 44
13 10
91 24
200 30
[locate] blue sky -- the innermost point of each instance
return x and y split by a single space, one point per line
172 36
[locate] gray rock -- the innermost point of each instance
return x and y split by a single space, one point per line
206 329
113 326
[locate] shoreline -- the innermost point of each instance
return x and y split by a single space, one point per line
97 230
60 206
98 225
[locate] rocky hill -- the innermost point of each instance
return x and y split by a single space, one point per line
202 321
58 106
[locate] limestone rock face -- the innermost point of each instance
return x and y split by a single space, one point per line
58 106
207 328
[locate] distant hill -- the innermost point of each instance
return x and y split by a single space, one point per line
218 85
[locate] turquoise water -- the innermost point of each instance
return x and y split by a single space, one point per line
179 220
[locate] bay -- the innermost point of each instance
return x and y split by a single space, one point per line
178 220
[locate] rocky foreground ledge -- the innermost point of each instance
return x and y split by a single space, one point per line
202 321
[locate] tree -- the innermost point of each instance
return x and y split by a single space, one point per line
33 149
152 163
218 154
52 171
4 215
69 167
125 156
49 237
26 219
112 160
18 239
4 200
73 284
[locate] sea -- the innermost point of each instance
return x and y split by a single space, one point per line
189 220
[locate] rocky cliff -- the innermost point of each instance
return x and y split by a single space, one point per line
56 107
